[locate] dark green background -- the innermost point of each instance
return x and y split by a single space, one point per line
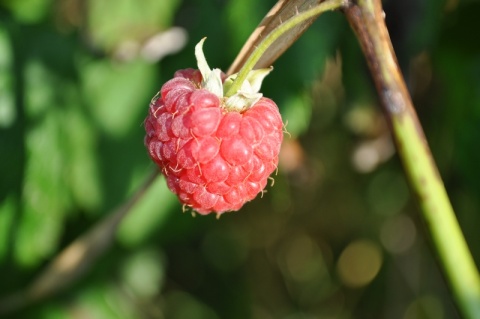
338 236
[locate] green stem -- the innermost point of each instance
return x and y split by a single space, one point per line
275 34
366 18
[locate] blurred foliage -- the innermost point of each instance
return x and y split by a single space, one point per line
338 234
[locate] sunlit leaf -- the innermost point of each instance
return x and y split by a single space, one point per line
144 273
297 111
148 215
104 300
29 10
7 99
118 94
80 144
40 89
45 197
114 21
242 17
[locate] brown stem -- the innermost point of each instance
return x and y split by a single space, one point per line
367 20
375 41
280 12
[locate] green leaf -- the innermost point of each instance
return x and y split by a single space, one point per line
80 144
8 208
112 22
148 214
7 99
297 112
45 197
242 17
29 11
102 300
118 94
40 89
45 194
144 272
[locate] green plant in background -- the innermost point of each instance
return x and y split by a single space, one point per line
71 149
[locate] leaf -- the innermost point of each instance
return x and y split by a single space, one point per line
8 208
45 197
11 124
147 215
298 111
144 272
117 95
7 99
82 170
113 22
29 11
76 258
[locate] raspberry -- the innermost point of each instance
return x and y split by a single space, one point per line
215 156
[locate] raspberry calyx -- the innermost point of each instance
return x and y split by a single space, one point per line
245 97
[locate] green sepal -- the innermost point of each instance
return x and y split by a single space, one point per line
212 79
241 100
248 94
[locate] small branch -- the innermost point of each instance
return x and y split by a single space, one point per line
366 17
75 260
281 11
298 19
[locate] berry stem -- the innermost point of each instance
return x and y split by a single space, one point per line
275 34
366 18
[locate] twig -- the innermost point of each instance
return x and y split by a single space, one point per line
76 259
367 19
281 11
296 23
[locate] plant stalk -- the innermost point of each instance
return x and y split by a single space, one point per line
252 60
366 17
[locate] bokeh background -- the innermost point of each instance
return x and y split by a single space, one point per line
337 236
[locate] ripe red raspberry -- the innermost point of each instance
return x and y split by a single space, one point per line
214 157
